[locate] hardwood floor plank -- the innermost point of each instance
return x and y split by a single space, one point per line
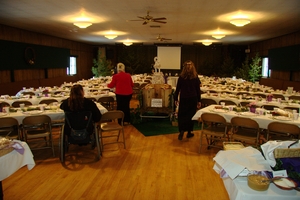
156 167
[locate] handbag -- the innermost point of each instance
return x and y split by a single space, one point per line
80 134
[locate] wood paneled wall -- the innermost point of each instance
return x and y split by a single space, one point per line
286 40
16 79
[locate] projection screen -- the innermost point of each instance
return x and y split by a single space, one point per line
169 57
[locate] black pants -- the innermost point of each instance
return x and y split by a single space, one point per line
123 104
187 109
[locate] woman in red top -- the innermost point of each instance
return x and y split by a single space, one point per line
123 83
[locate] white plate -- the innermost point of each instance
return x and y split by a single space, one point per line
282 118
249 114
33 112
2 114
219 110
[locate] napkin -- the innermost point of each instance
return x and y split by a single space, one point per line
18 147
269 147
234 162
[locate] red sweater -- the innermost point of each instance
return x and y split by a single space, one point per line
122 82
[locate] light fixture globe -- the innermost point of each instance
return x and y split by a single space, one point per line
239 22
127 43
206 43
218 36
82 24
111 37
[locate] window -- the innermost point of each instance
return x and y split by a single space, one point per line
72 70
265 67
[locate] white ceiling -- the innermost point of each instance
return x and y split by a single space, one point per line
188 21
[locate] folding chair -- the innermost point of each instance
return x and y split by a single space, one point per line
245 130
214 129
110 123
283 131
37 130
107 102
9 128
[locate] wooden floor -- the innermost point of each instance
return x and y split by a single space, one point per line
156 167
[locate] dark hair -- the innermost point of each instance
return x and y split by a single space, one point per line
189 70
76 98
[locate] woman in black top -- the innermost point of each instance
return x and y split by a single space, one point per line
188 92
77 102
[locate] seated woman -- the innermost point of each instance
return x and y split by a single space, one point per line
77 103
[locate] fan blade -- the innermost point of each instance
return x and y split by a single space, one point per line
166 39
143 18
145 22
136 20
161 18
159 22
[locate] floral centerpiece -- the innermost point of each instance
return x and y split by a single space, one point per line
252 106
269 97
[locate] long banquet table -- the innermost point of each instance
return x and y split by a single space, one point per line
262 120
13 161
238 189
56 114
59 98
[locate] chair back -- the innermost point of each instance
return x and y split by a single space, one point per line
278 96
9 127
107 102
245 130
48 101
28 93
269 107
206 102
4 104
32 121
37 129
293 97
228 102
16 104
260 95
114 115
213 118
290 131
244 122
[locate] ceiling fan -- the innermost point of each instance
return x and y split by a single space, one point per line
147 19
161 39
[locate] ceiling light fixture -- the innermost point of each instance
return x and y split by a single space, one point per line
206 42
218 36
110 36
127 43
240 22
82 24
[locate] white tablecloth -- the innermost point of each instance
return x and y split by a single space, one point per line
54 115
13 161
262 120
238 189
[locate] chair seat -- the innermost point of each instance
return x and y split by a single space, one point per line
110 126
37 134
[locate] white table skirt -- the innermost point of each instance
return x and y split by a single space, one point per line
262 120
259 103
54 115
36 101
238 189
11 162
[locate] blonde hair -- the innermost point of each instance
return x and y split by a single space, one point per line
189 70
120 67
